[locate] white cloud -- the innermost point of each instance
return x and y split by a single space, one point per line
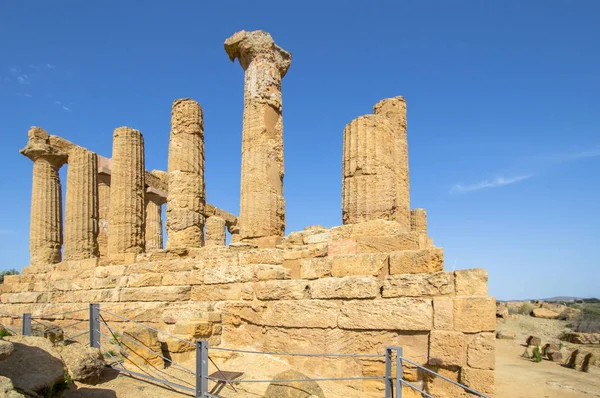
23 79
498 182
66 108
49 66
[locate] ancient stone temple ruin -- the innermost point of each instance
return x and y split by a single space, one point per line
377 280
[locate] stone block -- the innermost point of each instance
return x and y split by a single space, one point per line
156 293
175 278
265 272
25 297
440 388
417 261
229 274
216 256
387 244
314 268
387 314
196 277
224 292
143 345
261 256
471 282
293 268
10 279
342 247
447 348
307 251
110 270
320 236
416 285
443 313
473 314
349 287
180 343
360 265
481 352
194 328
281 290
292 314
141 280
478 379
109 282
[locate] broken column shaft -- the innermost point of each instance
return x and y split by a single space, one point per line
262 206
154 233
187 196
81 210
103 213
45 230
127 194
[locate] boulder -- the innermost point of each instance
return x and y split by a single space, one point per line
544 313
7 390
550 347
588 360
569 314
47 330
575 359
6 348
506 335
142 346
301 389
84 363
555 356
533 340
34 365
501 310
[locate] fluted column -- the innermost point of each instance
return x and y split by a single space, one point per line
45 229
418 220
103 213
81 210
262 206
154 232
215 231
127 194
187 197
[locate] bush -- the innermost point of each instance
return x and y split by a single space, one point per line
537 354
526 309
4 333
589 320
7 272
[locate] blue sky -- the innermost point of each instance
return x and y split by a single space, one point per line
503 119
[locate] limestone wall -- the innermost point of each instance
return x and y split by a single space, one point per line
354 288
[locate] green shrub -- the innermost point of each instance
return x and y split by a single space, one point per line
7 272
4 333
526 309
537 354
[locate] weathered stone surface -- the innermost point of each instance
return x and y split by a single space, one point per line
261 256
417 285
478 379
83 363
418 221
349 287
481 352
315 268
6 348
229 274
475 314
156 293
581 338
441 388
506 335
293 314
360 265
302 389
447 348
81 209
534 341
34 365
471 282
142 346
195 328
187 194
154 228
555 356
544 313
387 243
281 290
588 360
127 192
342 247
223 292
7 389
266 272
45 229
215 231
416 261
388 314
262 206
443 313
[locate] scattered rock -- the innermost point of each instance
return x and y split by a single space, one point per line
506 335
588 360
533 340
544 313
501 310
555 356
581 338
47 330
304 389
6 348
84 363
550 347
7 390
575 358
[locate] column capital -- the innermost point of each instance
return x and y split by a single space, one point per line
39 146
248 46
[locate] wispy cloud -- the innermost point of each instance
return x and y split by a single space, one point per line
23 79
498 182
49 66
572 156
59 103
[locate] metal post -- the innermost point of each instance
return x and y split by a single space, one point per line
201 368
388 372
26 324
399 371
95 325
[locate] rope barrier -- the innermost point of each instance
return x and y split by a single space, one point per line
304 380
58 313
299 354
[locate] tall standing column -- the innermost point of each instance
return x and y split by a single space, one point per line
103 213
45 230
215 231
187 196
127 194
81 210
262 206
154 233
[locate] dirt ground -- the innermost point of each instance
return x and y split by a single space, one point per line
516 377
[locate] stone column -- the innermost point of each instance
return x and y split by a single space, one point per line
395 110
127 194
103 213
45 229
154 232
418 220
234 230
215 231
262 206
187 196
81 210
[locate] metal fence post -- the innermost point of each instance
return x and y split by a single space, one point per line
201 368
95 325
388 372
399 371
26 324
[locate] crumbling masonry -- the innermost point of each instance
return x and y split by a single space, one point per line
377 280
